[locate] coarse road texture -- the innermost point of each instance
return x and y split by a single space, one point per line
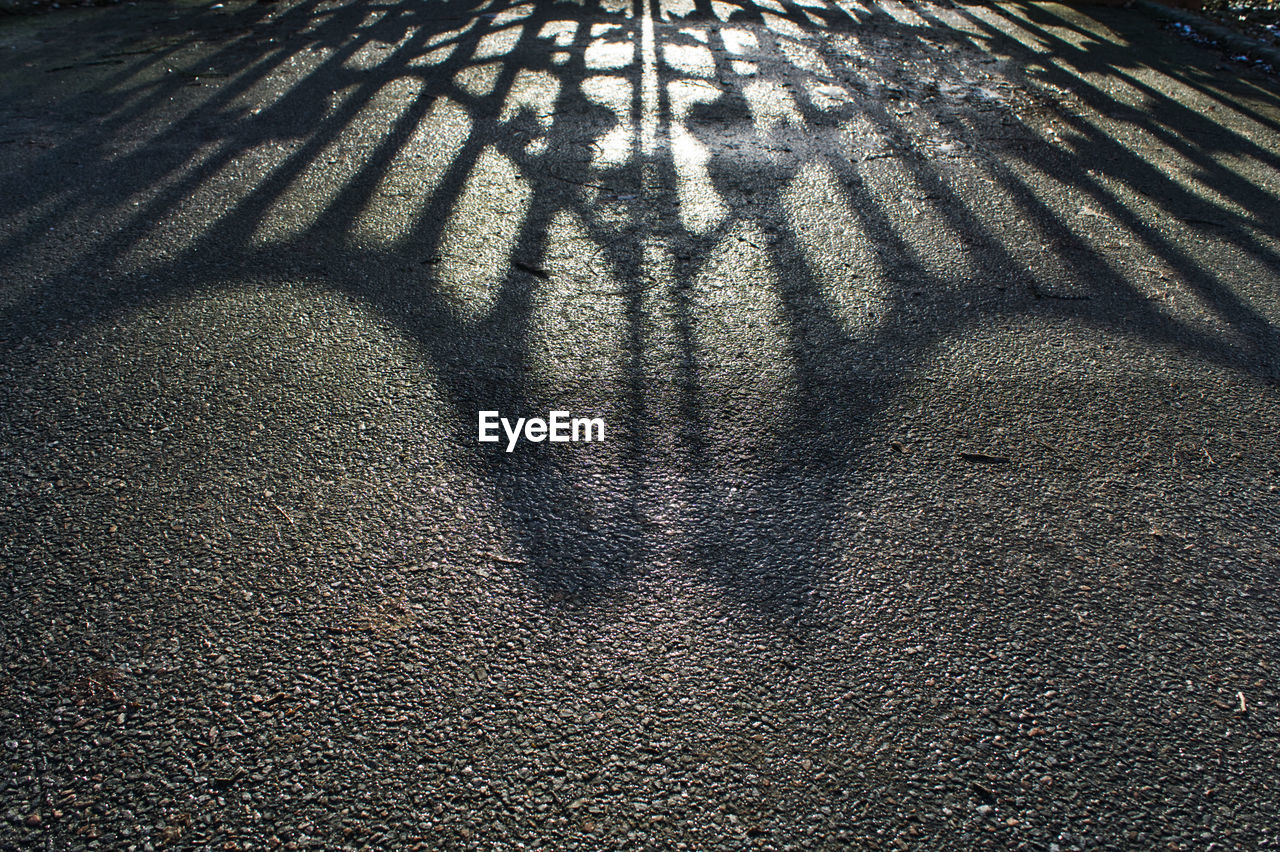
938 350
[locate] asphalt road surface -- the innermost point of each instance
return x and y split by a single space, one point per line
939 505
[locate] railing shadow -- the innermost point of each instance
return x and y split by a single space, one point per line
685 146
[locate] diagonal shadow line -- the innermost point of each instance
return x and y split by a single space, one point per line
1190 122
1006 266
1112 60
485 110
1050 17
318 82
236 227
1256 329
97 138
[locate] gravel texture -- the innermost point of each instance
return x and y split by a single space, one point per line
937 346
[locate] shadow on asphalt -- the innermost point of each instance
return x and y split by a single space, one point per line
682 157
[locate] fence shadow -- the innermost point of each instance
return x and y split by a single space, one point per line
766 192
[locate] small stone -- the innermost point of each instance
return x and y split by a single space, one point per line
33 820
985 810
